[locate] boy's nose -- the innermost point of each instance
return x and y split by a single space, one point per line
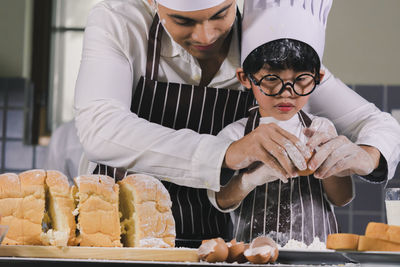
287 91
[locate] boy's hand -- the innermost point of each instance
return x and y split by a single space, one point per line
337 155
260 174
271 145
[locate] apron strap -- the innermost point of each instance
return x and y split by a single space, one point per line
239 26
154 48
253 121
304 118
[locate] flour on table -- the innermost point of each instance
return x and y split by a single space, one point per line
315 245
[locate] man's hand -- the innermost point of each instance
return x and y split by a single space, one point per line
271 145
337 155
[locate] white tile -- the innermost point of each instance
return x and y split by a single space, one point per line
15 123
18 156
41 154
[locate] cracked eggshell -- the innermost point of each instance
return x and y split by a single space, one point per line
213 250
262 250
236 251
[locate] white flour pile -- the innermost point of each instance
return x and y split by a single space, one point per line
315 245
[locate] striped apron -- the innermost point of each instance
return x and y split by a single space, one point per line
205 110
294 210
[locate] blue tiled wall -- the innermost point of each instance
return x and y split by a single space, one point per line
17 157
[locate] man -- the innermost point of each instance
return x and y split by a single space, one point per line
141 103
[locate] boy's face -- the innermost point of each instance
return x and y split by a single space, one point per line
281 107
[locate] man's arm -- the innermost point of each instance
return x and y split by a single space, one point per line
111 134
362 122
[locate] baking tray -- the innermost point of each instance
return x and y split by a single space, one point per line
385 257
307 256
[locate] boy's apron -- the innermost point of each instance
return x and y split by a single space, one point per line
294 210
205 110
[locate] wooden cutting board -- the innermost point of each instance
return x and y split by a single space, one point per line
134 254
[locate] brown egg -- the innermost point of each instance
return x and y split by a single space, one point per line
307 171
213 250
262 250
236 251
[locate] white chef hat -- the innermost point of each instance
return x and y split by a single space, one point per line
189 5
269 20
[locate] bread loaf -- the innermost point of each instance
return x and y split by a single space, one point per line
59 206
366 243
11 208
41 208
98 216
22 200
147 219
342 241
378 237
383 231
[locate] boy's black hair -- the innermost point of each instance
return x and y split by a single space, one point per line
283 54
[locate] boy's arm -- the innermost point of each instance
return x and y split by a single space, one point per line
232 193
339 190
242 184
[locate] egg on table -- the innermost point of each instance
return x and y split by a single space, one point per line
213 250
262 250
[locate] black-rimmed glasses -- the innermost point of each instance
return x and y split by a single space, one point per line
273 85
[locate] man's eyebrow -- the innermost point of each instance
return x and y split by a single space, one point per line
222 10
192 20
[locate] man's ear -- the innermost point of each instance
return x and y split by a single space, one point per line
321 75
243 79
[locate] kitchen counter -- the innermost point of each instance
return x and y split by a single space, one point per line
47 262
148 257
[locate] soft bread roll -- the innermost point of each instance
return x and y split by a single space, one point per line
60 206
32 188
383 231
11 208
147 219
98 216
374 244
342 241
22 203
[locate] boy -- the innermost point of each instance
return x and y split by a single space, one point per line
282 68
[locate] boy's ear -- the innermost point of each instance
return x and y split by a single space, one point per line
321 75
243 79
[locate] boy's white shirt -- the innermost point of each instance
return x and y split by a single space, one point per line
235 131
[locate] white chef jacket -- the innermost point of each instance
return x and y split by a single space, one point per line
114 58
64 151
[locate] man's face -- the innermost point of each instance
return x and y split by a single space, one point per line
202 33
